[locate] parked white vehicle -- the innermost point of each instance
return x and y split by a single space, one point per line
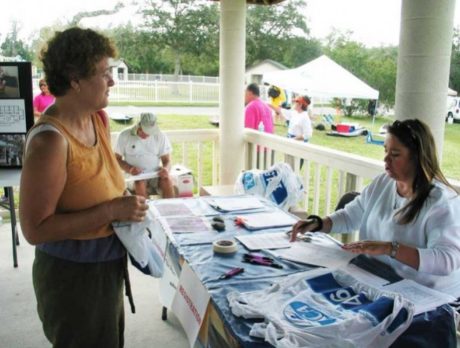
453 109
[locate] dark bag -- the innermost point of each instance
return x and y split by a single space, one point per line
273 92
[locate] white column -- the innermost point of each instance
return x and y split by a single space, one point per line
425 45
232 67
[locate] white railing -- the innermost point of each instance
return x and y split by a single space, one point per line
326 174
197 149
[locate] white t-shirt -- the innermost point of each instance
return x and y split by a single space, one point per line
299 123
143 153
435 233
321 308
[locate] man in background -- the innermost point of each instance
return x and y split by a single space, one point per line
143 148
256 110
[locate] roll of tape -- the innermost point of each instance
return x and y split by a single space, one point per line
224 246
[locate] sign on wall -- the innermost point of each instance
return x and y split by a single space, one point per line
16 111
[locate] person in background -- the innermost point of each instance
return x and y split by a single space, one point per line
42 100
277 99
277 96
256 110
300 127
71 191
408 216
140 149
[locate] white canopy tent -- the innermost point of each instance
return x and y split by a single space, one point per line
322 78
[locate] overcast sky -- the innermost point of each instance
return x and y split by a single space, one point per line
373 22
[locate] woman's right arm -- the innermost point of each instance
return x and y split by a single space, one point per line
342 221
42 182
278 110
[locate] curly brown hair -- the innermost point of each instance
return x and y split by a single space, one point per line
71 55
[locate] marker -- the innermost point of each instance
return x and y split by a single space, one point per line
233 272
257 257
263 263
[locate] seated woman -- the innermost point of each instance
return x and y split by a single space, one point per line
407 217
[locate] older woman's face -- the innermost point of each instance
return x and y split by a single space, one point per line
95 89
399 164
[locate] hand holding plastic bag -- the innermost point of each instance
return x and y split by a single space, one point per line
135 238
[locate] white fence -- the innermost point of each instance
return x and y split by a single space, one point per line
171 78
165 91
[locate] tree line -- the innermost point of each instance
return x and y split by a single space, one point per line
182 37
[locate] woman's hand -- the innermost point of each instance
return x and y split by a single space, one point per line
369 247
128 208
301 227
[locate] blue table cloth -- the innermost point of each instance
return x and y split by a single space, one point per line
432 329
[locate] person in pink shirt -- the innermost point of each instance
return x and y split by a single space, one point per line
43 100
256 110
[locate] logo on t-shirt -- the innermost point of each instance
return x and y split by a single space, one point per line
302 314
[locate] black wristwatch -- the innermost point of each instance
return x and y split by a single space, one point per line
394 249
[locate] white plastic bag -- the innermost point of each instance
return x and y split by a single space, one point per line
139 245
279 184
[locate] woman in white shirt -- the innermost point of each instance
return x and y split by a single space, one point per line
407 217
299 120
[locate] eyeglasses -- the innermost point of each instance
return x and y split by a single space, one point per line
406 128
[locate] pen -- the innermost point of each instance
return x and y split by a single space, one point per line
257 257
231 273
263 263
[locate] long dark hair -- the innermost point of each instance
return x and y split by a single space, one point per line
417 137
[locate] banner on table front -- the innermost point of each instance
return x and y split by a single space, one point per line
190 303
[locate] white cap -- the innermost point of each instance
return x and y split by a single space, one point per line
148 123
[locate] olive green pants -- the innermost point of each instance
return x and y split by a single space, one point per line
79 304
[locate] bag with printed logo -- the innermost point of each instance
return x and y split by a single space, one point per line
324 308
279 184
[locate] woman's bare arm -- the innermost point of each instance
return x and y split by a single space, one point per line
42 182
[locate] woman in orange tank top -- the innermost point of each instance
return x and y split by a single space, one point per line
71 191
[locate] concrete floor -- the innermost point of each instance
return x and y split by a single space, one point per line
20 326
